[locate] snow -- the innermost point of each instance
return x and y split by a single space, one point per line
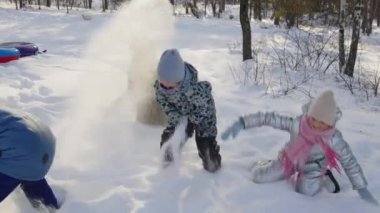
87 87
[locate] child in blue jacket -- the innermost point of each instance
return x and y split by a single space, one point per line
27 149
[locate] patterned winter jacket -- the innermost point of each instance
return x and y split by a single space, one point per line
292 125
193 100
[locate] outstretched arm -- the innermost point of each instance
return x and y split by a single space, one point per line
257 120
352 168
349 162
172 115
271 119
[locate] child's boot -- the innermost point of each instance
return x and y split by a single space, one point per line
208 151
40 195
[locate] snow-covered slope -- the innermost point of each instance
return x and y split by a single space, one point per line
86 87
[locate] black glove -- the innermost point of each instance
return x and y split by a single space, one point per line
166 135
189 129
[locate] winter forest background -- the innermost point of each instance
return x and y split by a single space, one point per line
316 19
93 86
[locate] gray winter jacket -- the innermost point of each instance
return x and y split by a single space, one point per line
292 125
193 100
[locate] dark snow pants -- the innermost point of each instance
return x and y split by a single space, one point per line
34 190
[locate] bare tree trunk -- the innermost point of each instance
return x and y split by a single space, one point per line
290 18
71 4
349 69
105 5
213 6
206 3
58 4
251 8
276 12
331 8
246 30
90 4
342 54
16 4
257 9
266 8
21 5
365 16
187 5
222 6
378 13
48 3
194 10
325 6
372 10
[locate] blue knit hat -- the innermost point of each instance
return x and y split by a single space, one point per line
171 67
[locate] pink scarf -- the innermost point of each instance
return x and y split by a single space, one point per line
297 153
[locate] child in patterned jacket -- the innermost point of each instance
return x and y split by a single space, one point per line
315 146
180 94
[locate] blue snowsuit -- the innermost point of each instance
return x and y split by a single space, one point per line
27 149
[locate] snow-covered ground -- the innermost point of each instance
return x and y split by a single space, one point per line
87 87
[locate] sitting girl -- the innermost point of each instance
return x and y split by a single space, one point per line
315 147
